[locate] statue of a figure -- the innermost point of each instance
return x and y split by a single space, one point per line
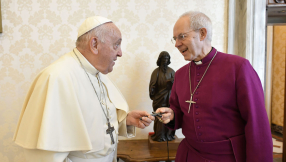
160 87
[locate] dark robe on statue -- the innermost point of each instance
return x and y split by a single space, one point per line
228 122
161 83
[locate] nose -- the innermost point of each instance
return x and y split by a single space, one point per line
119 53
178 43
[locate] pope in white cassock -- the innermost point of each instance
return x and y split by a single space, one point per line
72 110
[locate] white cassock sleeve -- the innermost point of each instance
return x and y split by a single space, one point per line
126 130
35 155
123 129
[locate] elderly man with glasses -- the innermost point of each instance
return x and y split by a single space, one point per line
217 99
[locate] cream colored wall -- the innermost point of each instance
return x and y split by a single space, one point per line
37 32
278 74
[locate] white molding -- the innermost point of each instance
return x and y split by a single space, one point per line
231 26
258 45
268 78
249 31
250 34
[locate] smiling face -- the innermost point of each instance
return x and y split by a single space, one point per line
109 50
191 46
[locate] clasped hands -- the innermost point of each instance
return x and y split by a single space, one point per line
142 119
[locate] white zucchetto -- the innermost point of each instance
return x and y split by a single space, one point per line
91 23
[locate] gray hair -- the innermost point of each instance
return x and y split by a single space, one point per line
100 32
199 20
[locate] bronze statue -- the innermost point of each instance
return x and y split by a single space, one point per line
160 87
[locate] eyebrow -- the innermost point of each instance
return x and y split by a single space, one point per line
119 40
178 35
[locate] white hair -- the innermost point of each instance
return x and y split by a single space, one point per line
99 32
199 20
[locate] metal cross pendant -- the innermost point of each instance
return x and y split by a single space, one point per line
109 131
190 102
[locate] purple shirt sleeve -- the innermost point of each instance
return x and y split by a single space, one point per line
175 106
250 100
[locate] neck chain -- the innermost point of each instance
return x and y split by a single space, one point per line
110 129
191 99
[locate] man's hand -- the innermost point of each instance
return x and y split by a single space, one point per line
134 118
167 114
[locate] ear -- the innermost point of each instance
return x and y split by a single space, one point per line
93 45
203 34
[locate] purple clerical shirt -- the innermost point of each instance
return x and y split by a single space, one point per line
228 122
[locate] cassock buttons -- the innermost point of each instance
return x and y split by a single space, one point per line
197 93
198 127
199 134
197 120
198 80
198 74
197 113
197 106
196 99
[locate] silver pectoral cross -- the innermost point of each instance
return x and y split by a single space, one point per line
109 131
191 101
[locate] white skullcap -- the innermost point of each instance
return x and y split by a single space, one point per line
91 23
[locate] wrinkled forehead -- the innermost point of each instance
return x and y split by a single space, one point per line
181 26
116 30
113 31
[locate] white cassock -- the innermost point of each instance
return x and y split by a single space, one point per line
62 117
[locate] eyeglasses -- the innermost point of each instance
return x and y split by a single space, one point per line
181 37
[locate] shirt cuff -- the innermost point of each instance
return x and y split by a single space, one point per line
131 131
124 130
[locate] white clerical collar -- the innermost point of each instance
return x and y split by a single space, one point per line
198 62
87 65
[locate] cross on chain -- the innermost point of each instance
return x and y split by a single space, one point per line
191 101
109 131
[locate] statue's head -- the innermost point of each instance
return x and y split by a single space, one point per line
164 58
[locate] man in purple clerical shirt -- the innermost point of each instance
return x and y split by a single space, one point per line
217 100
